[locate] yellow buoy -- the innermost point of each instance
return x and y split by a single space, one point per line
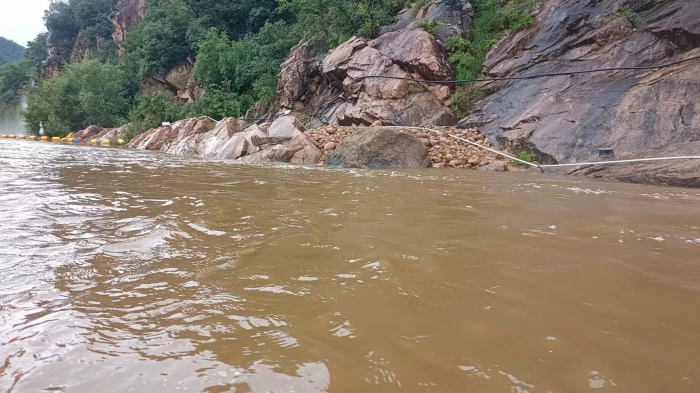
120 142
45 138
3 136
106 143
56 139
32 138
93 142
70 140
21 137
12 136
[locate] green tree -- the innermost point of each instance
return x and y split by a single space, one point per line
247 68
160 41
329 22
36 55
13 79
82 94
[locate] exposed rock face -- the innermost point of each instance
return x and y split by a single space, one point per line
127 13
379 147
287 140
179 138
337 87
179 81
567 118
101 134
84 46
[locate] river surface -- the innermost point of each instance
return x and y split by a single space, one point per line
129 271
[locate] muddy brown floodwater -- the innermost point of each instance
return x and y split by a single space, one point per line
127 271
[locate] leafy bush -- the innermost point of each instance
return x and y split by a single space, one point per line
247 67
463 101
629 14
525 156
13 79
82 94
319 21
159 42
515 18
430 27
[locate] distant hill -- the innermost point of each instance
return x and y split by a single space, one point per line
10 51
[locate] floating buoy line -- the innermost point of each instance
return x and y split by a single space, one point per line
69 139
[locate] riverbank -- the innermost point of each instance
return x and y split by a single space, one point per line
286 140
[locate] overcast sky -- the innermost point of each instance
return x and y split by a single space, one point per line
22 20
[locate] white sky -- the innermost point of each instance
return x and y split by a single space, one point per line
22 20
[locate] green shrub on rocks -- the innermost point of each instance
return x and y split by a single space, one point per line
525 156
633 17
463 101
430 27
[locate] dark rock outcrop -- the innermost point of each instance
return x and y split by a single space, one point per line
380 147
565 119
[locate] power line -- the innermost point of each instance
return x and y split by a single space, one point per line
546 75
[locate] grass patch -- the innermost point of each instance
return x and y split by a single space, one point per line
463 101
430 27
631 16
415 7
525 156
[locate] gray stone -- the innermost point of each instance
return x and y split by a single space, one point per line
380 147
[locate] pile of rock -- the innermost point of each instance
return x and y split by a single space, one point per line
444 150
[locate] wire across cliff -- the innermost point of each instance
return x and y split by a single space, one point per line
536 76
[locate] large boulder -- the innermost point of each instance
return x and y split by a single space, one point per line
566 119
186 135
286 141
89 133
380 147
180 137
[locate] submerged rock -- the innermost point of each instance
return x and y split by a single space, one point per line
380 147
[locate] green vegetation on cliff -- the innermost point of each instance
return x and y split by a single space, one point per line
237 47
493 18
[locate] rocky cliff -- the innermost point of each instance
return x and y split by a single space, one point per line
335 87
126 14
566 119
